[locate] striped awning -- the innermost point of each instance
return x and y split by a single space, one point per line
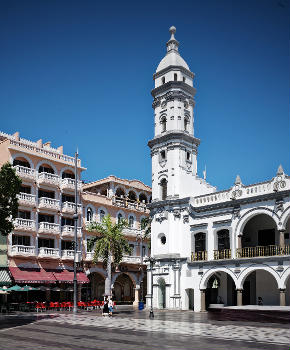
5 279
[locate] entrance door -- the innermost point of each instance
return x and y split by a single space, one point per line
190 295
161 295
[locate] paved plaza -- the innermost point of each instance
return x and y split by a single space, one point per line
130 329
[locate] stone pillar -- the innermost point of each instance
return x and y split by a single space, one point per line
282 238
148 296
239 241
282 297
137 296
176 269
202 300
239 297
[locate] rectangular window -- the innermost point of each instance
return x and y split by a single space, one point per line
67 198
162 155
21 240
25 189
132 249
24 214
67 221
66 245
45 243
188 156
47 194
46 218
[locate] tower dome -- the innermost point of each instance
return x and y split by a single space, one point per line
172 58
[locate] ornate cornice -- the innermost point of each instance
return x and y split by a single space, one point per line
174 135
169 68
173 85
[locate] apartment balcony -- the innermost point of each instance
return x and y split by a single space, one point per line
68 254
26 199
48 253
129 231
263 251
69 208
48 203
69 184
69 231
222 254
199 256
131 259
49 228
25 173
24 225
126 203
48 179
21 251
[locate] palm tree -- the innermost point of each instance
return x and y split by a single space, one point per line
110 245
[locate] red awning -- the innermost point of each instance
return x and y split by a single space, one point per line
68 276
24 275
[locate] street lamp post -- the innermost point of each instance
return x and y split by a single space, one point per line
152 261
75 217
140 238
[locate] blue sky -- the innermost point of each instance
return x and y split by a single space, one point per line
79 74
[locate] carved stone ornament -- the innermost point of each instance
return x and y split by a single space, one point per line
176 213
278 206
236 212
279 184
185 218
186 104
161 216
163 104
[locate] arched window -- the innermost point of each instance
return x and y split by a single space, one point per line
163 185
186 123
102 214
68 175
163 80
142 198
175 77
132 195
120 192
120 217
223 239
131 221
46 168
200 242
89 215
163 124
21 162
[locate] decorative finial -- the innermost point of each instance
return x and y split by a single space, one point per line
238 180
172 44
280 170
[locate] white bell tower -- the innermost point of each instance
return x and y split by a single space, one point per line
174 147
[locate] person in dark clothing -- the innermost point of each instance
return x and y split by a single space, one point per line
106 308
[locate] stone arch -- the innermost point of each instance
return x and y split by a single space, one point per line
120 191
21 155
143 197
211 272
93 209
132 195
65 169
284 278
285 217
250 214
96 269
45 161
246 272
118 288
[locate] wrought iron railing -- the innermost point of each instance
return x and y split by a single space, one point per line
199 256
222 254
270 250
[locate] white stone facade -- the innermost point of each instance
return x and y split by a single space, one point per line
229 247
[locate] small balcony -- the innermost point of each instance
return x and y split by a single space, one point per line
263 251
69 231
26 199
89 256
130 204
48 203
131 259
25 173
68 254
21 250
69 184
48 179
130 231
222 254
69 208
24 225
49 228
48 253
199 256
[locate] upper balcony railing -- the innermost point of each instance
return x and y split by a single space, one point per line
69 207
130 204
48 152
199 256
26 199
222 254
69 231
262 251
48 203
68 254
25 173
48 179
21 250
69 184
132 259
24 224
44 252
47 227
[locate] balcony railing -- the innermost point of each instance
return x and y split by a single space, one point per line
129 231
127 203
25 173
199 256
270 250
67 254
48 252
222 254
69 207
89 255
24 224
69 184
48 179
48 203
68 230
26 199
132 259
21 250
47 227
